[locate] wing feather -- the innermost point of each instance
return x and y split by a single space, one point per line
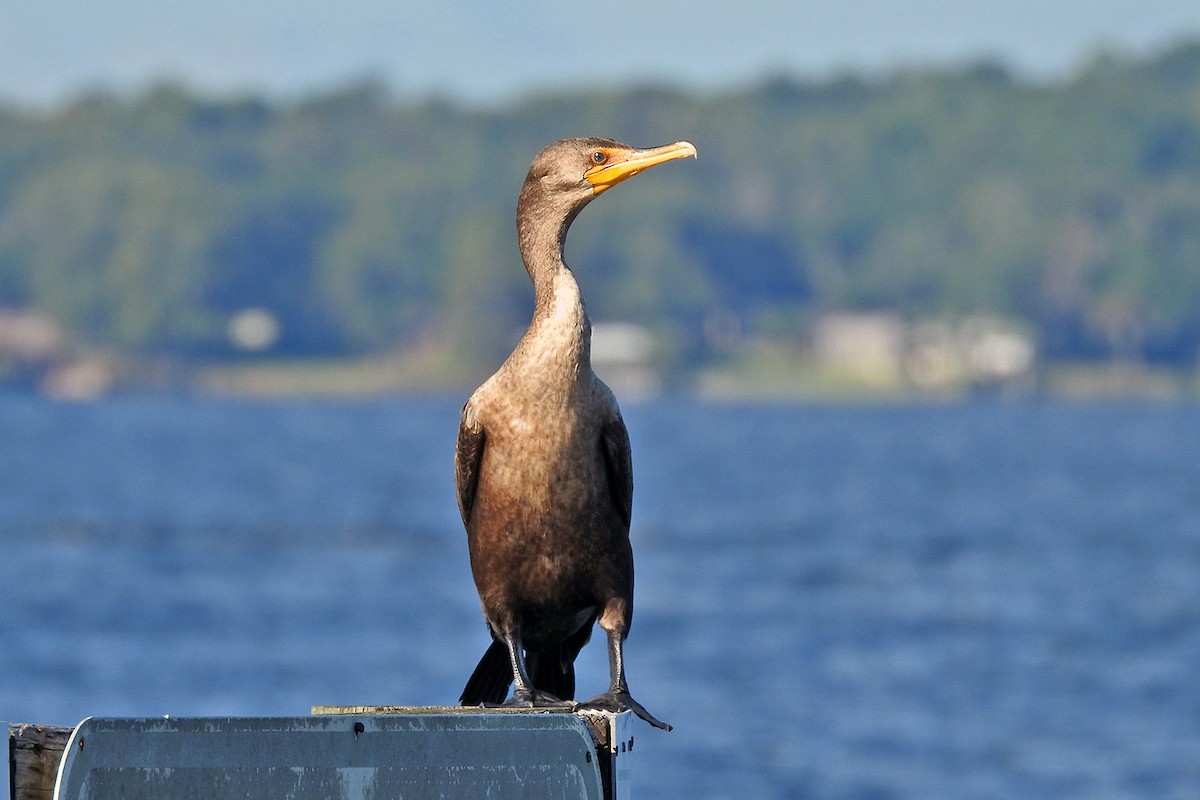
618 463
468 455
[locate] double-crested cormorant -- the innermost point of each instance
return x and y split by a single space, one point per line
542 467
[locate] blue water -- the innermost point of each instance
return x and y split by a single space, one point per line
960 601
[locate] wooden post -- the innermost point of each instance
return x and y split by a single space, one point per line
34 753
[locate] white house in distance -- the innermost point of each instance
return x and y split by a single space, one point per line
623 355
931 355
36 350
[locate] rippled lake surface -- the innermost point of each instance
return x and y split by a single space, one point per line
950 601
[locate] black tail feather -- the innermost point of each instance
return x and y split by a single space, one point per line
550 674
490 681
551 671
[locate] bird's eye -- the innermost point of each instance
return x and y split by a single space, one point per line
599 157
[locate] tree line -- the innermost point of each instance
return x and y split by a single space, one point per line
364 224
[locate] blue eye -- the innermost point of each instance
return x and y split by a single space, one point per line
599 157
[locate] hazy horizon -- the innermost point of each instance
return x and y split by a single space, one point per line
468 53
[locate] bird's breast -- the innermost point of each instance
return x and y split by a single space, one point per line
544 455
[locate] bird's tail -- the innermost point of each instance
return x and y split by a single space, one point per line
552 674
489 683
492 676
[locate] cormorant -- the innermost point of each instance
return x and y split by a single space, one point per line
542 467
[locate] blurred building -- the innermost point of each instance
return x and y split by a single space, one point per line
37 352
868 347
624 356
975 352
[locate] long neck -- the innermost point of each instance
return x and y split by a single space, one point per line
560 319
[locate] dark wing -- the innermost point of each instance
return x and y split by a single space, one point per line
467 457
619 465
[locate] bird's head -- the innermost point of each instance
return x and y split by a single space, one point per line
583 168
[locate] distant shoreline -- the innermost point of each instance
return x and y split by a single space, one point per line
366 378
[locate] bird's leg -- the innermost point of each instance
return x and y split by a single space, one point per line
524 693
617 698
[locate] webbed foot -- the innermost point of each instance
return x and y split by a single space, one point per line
616 701
535 698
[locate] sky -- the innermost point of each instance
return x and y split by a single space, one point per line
490 53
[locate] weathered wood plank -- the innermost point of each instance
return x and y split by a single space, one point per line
34 753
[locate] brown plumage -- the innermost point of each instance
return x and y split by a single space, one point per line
542 467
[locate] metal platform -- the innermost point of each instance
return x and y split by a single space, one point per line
352 752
